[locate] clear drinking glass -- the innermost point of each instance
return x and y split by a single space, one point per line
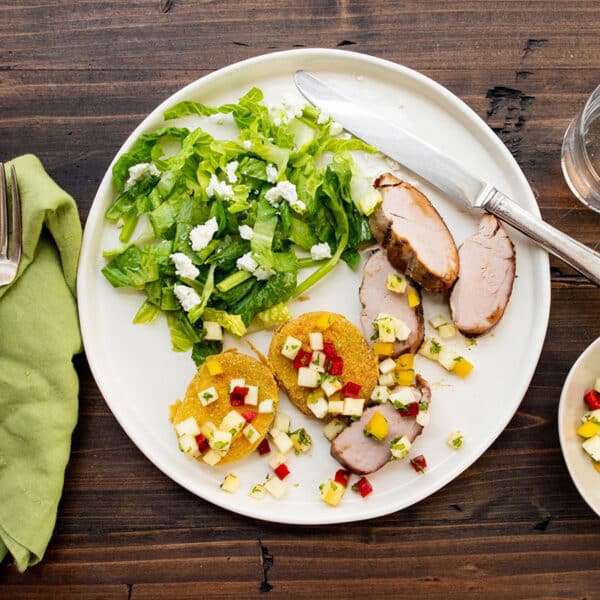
580 159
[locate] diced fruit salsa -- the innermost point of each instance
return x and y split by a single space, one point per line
329 372
589 430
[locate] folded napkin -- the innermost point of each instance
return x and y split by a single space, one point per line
39 334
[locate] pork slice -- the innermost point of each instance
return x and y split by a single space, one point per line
487 273
414 235
376 298
361 454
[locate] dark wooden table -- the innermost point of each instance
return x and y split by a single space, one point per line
77 76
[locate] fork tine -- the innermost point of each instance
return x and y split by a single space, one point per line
3 214
17 230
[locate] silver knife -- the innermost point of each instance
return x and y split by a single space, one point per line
446 174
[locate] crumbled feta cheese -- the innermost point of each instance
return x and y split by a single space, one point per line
335 128
139 172
247 144
272 173
292 107
201 235
246 263
287 191
187 296
320 251
230 169
184 267
323 118
263 274
246 232
220 188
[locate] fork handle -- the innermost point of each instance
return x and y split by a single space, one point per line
580 257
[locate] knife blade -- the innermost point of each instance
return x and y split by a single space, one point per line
443 172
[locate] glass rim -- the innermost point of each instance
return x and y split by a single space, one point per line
591 104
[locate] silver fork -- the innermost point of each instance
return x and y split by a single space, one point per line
9 263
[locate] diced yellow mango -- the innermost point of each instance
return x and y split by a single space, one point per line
214 366
383 348
377 427
405 361
596 466
332 492
315 396
405 377
588 429
413 298
462 367
324 321
173 410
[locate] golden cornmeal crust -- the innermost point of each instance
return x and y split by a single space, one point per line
235 365
360 364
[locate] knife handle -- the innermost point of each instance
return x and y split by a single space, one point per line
580 257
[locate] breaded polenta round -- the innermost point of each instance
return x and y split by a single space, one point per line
234 365
360 364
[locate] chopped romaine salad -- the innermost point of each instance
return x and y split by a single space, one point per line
233 222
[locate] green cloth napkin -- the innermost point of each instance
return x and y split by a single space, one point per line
39 334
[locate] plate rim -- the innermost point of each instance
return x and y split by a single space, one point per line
538 255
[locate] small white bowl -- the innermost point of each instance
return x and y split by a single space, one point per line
580 379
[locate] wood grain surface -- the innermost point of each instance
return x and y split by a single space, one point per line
77 76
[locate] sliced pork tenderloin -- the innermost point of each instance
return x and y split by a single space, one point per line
414 235
376 298
361 454
487 273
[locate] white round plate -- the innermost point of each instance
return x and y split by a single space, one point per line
580 379
140 376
